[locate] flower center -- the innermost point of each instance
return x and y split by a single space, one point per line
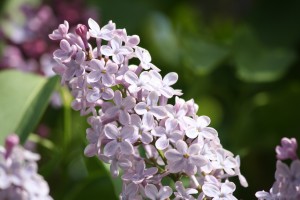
186 155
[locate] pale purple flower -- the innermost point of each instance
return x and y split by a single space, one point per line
103 71
198 127
144 56
153 193
184 193
137 83
167 135
178 112
18 173
218 191
224 161
61 32
143 131
163 86
149 110
121 108
106 32
192 108
72 69
287 179
140 173
65 52
120 139
130 41
185 159
287 150
130 192
99 91
135 125
93 135
117 161
116 50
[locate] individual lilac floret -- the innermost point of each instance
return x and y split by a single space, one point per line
120 140
18 173
137 83
150 110
121 108
116 50
105 33
163 86
224 161
287 150
66 52
185 159
166 135
198 127
218 191
140 173
153 193
184 193
61 32
143 131
99 69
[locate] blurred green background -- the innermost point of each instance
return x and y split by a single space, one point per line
239 60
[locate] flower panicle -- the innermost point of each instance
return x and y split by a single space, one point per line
287 177
126 98
19 178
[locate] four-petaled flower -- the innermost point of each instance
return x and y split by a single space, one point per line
153 193
106 32
150 109
120 139
116 50
185 159
121 108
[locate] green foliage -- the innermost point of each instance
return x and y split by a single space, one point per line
24 98
256 62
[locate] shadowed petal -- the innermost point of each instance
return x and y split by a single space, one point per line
126 147
111 148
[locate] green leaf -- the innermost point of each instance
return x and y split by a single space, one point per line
202 56
162 39
24 98
256 62
114 185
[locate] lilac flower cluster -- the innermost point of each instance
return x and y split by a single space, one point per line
19 179
133 127
287 183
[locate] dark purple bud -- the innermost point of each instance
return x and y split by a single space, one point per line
10 142
81 30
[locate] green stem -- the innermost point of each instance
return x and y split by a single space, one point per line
42 141
67 99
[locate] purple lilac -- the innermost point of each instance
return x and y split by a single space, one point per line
18 173
287 177
130 114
